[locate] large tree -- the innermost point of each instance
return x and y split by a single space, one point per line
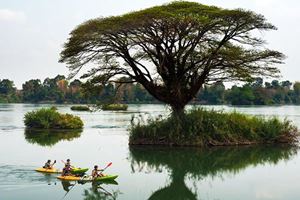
173 49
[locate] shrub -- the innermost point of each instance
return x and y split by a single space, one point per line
49 118
80 108
114 107
201 127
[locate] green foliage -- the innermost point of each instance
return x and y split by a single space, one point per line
114 107
58 90
68 121
184 45
201 127
241 96
49 118
254 93
8 93
80 108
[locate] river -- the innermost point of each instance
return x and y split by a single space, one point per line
249 172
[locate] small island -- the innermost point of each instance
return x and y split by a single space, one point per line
202 127
114 107
80 108
50 118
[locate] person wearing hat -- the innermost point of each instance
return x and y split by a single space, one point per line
96 172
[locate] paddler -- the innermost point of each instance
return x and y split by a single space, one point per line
97 172
67 169
48 164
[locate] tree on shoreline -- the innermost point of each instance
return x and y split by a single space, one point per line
173 49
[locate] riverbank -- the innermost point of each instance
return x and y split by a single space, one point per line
201 127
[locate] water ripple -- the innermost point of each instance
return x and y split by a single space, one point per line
22 175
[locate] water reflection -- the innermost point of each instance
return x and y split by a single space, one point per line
50 137
200 163
98 192
67 185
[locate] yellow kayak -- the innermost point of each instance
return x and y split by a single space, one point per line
44 170
69 178
88 178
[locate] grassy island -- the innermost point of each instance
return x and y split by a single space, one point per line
50 118
80 108
114 107
202 127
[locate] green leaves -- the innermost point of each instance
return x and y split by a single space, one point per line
173 49
48 118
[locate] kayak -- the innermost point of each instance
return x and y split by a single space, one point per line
75 171
79 171
44 170
88 178
69 178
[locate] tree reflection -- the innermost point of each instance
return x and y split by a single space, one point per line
67 185
50 137
201 163
98 192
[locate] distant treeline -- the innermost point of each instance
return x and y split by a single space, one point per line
59 90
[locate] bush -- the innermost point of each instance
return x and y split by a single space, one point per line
114 107
201 127
49 118
80 108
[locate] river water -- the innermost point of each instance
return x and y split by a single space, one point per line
256 172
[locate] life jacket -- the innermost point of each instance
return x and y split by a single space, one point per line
47 165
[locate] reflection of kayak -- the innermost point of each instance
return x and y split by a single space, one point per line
44 170
88 178
78 171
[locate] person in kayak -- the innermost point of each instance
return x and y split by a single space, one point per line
67 169
48 164
97 172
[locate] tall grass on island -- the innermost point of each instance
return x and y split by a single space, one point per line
80 108
50 118
201 127
114 107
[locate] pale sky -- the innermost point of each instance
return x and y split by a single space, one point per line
32 32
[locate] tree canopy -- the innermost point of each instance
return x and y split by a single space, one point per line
173 49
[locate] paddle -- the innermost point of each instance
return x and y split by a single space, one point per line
102 170
108 165
53 163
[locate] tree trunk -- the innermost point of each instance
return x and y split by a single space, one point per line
177 110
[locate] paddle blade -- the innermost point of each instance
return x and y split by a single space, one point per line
109 164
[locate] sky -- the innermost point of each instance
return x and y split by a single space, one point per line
32 32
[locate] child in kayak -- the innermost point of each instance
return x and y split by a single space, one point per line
97 172
67 169
48 164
